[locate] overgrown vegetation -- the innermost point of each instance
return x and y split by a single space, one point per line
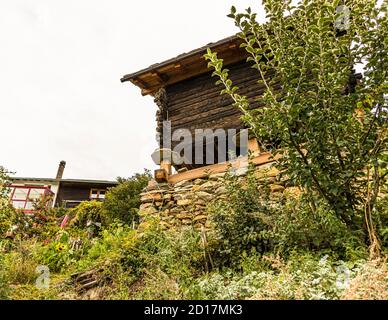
249 222
330 130
255 249
123 202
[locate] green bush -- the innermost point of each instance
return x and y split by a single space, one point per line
89 211
4 282
6 213
61 253
6 210
331 128
149 255
249 222
19 264
122 202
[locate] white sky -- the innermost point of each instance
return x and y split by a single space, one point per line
60 67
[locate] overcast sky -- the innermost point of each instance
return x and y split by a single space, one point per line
60 67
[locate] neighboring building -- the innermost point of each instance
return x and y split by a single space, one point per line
72 192
59 192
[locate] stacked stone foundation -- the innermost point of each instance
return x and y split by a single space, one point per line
185 203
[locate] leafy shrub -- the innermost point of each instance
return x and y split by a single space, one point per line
6 209
227 286
381 214
4 283
133 257
20 264
236 223
250 222
294 225
61 253
303 276
89 210
110 247
32 226
326 147
6 213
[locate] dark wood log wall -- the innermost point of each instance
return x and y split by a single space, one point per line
196 103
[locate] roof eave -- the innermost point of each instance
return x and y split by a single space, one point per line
184 66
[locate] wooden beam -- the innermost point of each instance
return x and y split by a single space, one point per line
166 165
140 83
160 78
253 147
203 172
186 71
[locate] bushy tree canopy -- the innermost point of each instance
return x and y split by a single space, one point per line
123 201
331 129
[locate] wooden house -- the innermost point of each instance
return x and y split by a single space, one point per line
186 95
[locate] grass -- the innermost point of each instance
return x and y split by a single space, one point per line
169 265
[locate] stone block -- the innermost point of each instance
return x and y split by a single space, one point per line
151 197
204 196
184 202
266 173
182 216
276 188
199 218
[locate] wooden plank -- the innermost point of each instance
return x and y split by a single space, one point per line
166 166
203 172
253 147
199 68
189 89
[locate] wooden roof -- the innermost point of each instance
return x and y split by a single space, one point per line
65 181
185 66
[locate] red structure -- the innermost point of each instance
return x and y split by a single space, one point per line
23 197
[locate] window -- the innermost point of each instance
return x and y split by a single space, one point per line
20 194
36 194
97 194
23 197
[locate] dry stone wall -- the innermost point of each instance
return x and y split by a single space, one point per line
184 203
